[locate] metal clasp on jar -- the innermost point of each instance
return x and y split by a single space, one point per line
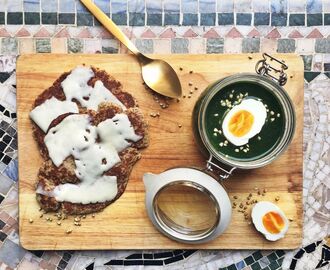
216 168
263 68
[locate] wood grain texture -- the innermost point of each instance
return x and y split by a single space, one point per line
125 225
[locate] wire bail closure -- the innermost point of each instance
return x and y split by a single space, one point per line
264 69
214 167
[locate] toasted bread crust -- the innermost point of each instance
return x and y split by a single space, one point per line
50 176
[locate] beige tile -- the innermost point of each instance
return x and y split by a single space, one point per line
268 45
26 45
197 45
233 45
59 45
305 45
162 46
92 45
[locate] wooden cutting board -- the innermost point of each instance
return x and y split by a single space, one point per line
125 225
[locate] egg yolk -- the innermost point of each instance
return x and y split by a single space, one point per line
273 222
241 123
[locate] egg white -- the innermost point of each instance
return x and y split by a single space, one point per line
261 209
257 109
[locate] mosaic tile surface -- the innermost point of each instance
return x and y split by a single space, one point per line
174 26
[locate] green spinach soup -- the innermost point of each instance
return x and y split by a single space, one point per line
244 121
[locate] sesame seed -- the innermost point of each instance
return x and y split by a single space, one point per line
221 144
41 215
69 231
259 138
178 100
278 115
196 88
191 91
231 96
215 134
272 113
179 125
190 71
272 119
189 96
236 150
235 197
184 96
215 129
59 223
181 68
190 83
216 114
31 220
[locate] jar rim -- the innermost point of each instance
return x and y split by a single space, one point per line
285 103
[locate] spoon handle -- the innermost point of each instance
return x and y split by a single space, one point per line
110 25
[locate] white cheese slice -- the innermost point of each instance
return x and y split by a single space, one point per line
100 190
75 87
45 113
69 137
117 132
94 161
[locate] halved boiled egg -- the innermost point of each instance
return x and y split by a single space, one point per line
270 220
244 121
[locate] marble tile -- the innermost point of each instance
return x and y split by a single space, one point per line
242 6
9 46
31 5
59 45
109 46
80 8
314 19
26 45
225 6
32 18
15 18
172 6
261 18
207 19
326 6
5 184
297 20
162 46
190 19
189 6
49 5
250 45
11 253
297 5
233 45
154 19
154 6
197 46
305 46
179 45
286 45
207 6
260 6
279 19
136 19
75 45
118 6
314 6
243 18
136 6
171 19
226 18
119 18
279 6
214 45
67 6
145 45
92 45
14 6
43 45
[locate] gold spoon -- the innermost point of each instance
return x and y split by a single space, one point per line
156 73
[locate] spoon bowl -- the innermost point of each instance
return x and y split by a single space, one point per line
160 77
156 73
